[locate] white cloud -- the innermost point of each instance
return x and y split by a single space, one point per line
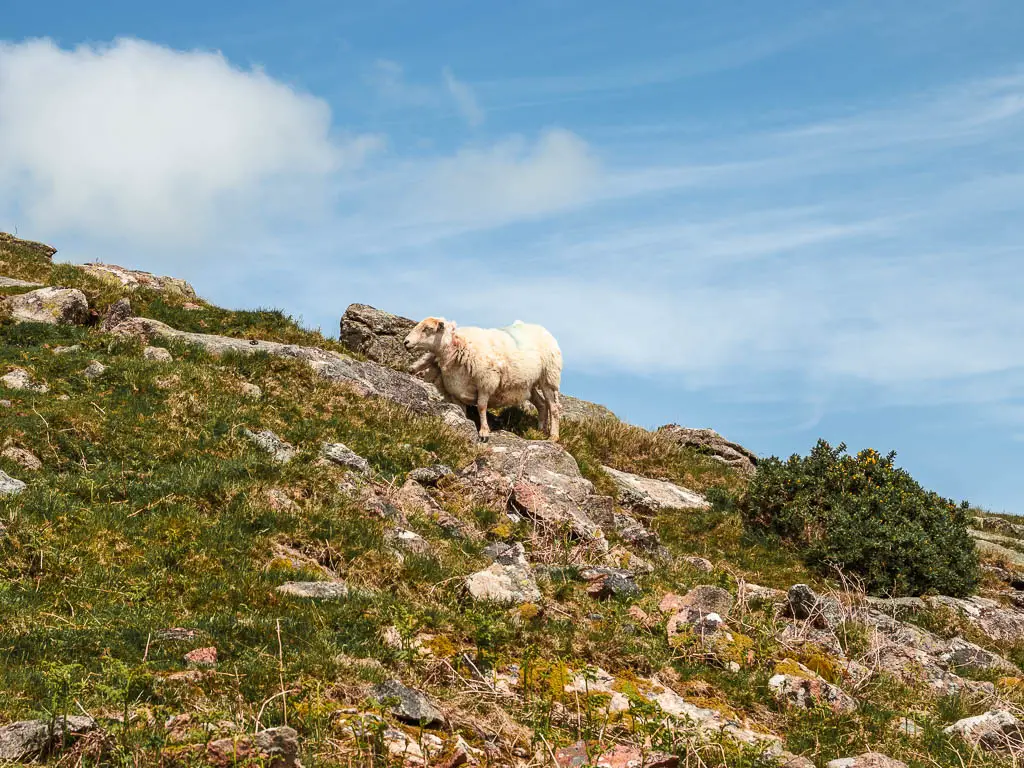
464 98
138 140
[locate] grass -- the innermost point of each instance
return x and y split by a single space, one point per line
153 512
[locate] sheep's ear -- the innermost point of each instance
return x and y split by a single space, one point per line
440 325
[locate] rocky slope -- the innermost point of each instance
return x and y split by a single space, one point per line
225 538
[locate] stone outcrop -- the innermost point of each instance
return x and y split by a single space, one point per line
8 241
377 335
408 704
27 740
53 306
19 378
133 279
367 379
710 442
13 282
994 731
642 494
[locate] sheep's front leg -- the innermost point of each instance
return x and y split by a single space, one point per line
481 405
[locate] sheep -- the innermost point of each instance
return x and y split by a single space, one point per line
491 367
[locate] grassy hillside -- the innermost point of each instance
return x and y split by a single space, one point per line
154 512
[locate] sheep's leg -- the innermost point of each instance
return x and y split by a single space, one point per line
554 412
481 407
537 398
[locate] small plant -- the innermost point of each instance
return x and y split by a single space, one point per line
867 517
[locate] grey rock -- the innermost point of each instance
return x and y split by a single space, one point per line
272 748
907 727
280 744
27 740
809 690
50 305
701 564
342 455
10 242
94 370
19 378
250 390
431 475
994 731
378 335
610 582
9 486
281 451
408 541
23 458
6 404
157 355
67 350
651 496
806 604
116 314
315 590
867 760
505 584
710 442
13 282
133 279
367 379
408 704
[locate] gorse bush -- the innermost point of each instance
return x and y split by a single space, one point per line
867 517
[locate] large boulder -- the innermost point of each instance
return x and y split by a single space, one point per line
53 306
27 740
133 279
378 335
649 496
710 442
994 731
540 479
367 379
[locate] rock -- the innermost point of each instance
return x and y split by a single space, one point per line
574 409
27 740
94 370
268 442
19 378
867 760
67 350
116 314
825 612
540 479
202 657
177 634
53 306
408 541
6 404
605 583
907 727
962 654
797 686
12 282
315 590
698 603
635 533
157 355
343 456
994 731
432 475
412 706
133 279
413 499
616 756
648 496
271 748
21 457
507 554
699 564
710 442
378 335
367 379
9 486
10 242
1005 625
250 390
507 584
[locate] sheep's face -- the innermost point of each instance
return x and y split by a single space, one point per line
427 335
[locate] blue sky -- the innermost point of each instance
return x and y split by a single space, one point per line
782 220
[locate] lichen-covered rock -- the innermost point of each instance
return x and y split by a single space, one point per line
23 458
342 455
13 282
378 335
157 355
10 486
94 370
270 748
116 314
19 378
407 541
27 740
797 686
604 583
50 305
133 279
506 584
710 442
806 604
408 704
994 731
431 475
279 450
315 590
867 760
649 496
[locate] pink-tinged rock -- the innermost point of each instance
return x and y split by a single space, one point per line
202 657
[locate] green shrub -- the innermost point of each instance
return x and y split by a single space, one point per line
867 517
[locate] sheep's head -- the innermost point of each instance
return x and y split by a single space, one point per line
428 335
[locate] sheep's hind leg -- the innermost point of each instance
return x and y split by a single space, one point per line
554 412
537 398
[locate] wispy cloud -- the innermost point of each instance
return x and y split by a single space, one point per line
464 98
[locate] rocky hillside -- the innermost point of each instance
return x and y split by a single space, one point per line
227 540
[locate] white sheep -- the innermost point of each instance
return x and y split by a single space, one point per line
491 367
